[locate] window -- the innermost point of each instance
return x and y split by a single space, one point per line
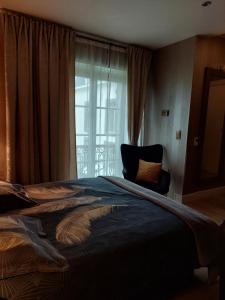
101 100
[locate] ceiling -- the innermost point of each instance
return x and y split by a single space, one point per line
151 23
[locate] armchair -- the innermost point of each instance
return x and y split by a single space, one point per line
130 158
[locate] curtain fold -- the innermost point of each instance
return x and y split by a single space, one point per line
37 131
139 62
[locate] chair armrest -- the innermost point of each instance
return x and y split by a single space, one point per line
164 182
127 176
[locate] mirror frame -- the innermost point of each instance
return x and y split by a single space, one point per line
210 75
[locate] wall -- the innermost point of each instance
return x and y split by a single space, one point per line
214 129
210 52
172 71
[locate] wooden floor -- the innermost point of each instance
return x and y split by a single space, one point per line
199 289
214 207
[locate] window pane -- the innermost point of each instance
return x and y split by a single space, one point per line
101 140
114 101
113 121
112 139
101 121
82 90
102 93
82 140
82 120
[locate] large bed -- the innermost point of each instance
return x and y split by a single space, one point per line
102 238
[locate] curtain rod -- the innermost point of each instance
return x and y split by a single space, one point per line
100 39
80 34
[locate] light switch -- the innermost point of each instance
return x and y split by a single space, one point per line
178 134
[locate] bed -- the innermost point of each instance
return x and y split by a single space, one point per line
102 238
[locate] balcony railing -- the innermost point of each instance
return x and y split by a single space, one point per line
105 160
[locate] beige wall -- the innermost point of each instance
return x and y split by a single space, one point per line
172 72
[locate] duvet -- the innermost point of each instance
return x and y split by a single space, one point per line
101 238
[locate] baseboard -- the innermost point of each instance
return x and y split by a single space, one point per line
201 194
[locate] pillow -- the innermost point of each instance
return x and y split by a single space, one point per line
23 250
13 196
148 171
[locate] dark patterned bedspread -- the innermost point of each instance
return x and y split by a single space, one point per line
118 245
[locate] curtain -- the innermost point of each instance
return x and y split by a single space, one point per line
37 125
139 61
101 101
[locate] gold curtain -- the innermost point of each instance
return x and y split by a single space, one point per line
37 126
139 61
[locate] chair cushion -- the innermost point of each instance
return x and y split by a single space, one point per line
148 171
131 155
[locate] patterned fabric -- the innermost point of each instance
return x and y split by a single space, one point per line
13 196
148 171
23 250
115 240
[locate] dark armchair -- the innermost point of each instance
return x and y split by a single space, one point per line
130 158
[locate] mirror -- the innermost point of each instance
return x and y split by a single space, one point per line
213 126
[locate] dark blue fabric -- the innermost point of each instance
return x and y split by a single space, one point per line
137 249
